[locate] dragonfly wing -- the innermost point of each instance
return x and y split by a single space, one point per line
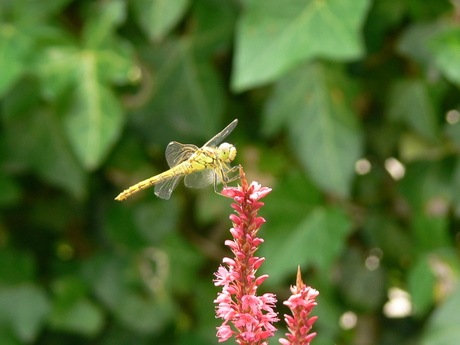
199 179
217 139
164 188
176 152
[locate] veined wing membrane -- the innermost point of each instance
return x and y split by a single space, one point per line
176 152
199 179
217 139
165 188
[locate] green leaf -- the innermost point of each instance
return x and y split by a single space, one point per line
82 317
427 181
425 11
384 16
446 50
57 163
362 288
214 25
105 274
145 315
324 131
187 101
456 183
72 311
60 66
317 240
24 309
292 197
14 49
381 230
453 132
274 36
11 191
431 231
443 327
102 20
421 280
57 69
67 290
187 265
414 42
95 118
122 229
16 266
7 336
158 17
36 139
31 13
411 103
115 63
156 219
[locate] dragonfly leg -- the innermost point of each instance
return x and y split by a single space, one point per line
224 178
228 179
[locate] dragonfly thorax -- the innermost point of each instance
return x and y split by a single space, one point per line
227 152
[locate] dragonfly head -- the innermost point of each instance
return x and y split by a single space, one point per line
227 152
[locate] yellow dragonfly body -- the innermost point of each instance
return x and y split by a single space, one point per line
200 166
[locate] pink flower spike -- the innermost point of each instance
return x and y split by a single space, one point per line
246 316
299 324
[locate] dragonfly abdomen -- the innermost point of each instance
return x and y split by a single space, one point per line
179 170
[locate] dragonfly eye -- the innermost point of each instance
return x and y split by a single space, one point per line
227 152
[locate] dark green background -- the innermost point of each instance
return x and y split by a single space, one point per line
91 92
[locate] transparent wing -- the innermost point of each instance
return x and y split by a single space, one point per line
164 188
199 179
217 139
177 153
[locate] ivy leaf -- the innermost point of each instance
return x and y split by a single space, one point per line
446 50
15 46
443 325
56 162
324 131
421 283
187 101
158 17
93 116
413 42
24 309
72 310
410 102
36 140
103 18
214 25
317 240
274 36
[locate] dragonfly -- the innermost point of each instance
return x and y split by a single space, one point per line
200 166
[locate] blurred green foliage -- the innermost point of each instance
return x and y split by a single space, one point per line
348 109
